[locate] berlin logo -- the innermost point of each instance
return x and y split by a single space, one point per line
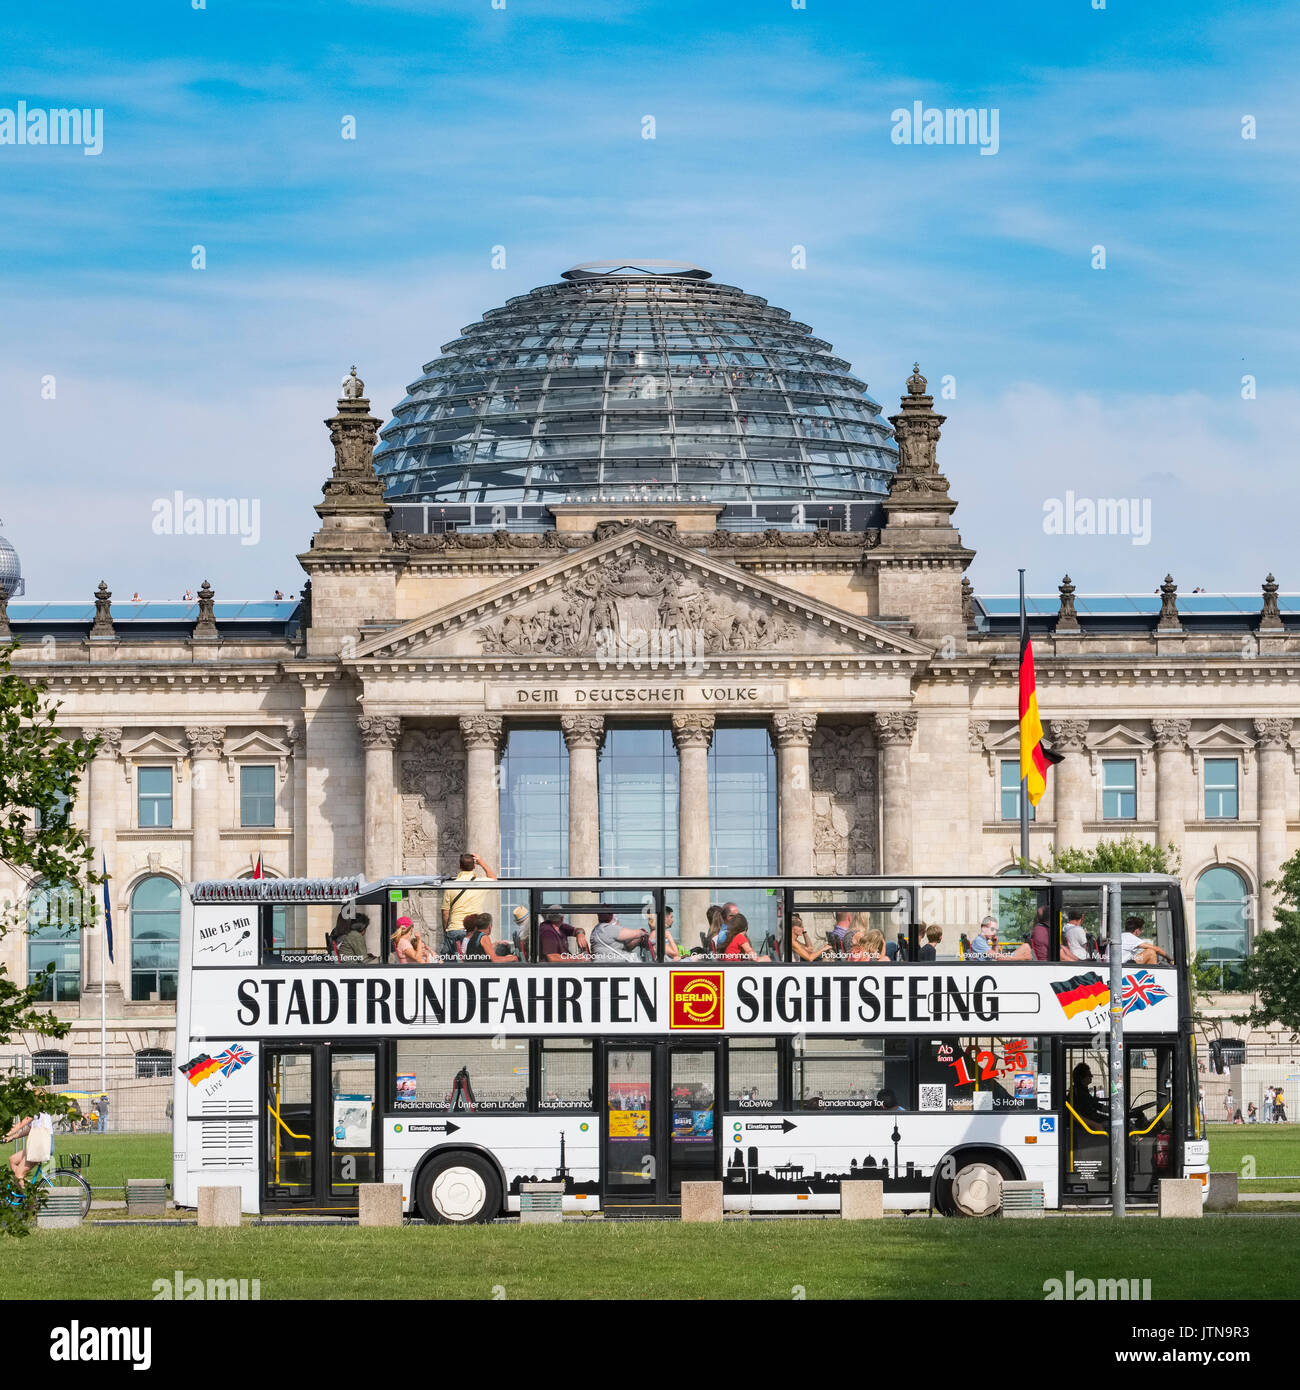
696 999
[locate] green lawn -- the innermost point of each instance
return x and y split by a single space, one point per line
1274 1152
112 1158
917 1258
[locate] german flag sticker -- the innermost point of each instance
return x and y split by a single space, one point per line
200 1068
1080 993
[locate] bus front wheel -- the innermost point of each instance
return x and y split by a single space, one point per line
458 1188
974 1187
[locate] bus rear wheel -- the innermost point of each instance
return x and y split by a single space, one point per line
456 1189
975 1187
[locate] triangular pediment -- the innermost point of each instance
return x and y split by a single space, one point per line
1119 738
154 745
634 595
1222 736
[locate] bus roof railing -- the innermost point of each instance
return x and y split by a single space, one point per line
341 890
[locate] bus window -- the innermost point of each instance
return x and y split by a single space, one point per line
1150 903
979 922
1082 929
753 1074
974 1074
851 1073
565 1080
828 920
461 1074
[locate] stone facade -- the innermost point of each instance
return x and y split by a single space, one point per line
890 693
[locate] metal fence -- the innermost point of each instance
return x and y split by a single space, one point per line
136 1103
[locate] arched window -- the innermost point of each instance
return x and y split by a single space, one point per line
155 938
152 1062
51 1067
54 938
1222 922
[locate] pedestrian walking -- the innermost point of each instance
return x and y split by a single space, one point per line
1268 1106
1279 1107
103 1114
1229 1105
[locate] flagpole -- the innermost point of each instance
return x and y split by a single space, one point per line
1024 781
103 1013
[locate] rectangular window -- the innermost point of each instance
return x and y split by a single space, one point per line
845 1074
451 1075
637 786
1119 789
534 803
564 1082
58 815
256 796
973 1074
154 797
1220 789
753 1074
1011 790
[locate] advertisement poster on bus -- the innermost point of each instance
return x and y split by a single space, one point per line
352 1121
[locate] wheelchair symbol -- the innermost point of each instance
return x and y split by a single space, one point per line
1047 1125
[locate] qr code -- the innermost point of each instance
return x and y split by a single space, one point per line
934 1097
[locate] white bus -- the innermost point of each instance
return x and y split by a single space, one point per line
597 1037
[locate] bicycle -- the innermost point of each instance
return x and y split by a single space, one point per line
45 1179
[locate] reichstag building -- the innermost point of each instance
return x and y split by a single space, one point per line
638 579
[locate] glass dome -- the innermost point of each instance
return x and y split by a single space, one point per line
637 381
11 572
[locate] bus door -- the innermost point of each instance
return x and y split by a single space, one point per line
1085 1152
660 1123
320 1125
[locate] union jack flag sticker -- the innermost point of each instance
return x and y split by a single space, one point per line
1140 990
233 1058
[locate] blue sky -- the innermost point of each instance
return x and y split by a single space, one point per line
522 127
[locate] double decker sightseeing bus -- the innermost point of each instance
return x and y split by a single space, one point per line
937 1035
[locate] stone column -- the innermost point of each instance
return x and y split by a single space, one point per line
894 732
1073 780
205 743
977 790
693 733
793 734
379 737
1273 739
103 790
296 737
583 733
1171 780
482 735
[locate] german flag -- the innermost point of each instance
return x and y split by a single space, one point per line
200 1068
1035 756
1080 993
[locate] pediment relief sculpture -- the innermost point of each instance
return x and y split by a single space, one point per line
635 602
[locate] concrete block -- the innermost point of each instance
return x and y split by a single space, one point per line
219 1206
1180 1196
1022 1199
380 1203
701 1201
146 1197
862 1201
1222 1192
541 1202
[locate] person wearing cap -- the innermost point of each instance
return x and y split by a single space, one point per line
520 914
553 938
351 938
408 946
